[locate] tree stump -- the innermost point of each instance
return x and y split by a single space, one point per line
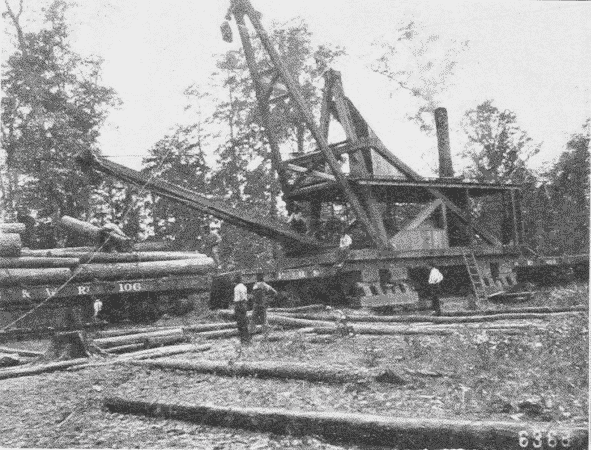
70 345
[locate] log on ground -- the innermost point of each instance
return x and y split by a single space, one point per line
138 338
264 369
41 368
202 327
529 309
221 334
431 319
10 244
356 428
87 272
128 331
126 348
297 323
20 351
298 309
386 331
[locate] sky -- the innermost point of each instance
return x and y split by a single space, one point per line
529 57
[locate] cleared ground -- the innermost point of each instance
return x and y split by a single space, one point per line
472 374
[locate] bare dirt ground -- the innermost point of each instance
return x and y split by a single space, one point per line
487 374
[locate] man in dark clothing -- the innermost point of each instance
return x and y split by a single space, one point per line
240 307
260 296
435 279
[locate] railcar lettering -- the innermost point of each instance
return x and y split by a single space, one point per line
26 294
130 287
50 291
83 290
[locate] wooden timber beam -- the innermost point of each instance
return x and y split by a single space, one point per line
263 102
314 173
423 215
243 7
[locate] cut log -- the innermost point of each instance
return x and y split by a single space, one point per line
58 252
31 262
297 323
126 348
20 351
145 354
529 309
10 244
41 368
153 246
15 227
12 277
139 338
356 428
202 327
143 269
220 334
297 309
432 319
264 369
93 233
161 341
128 331
99 257
367 329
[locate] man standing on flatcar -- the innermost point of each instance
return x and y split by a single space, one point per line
435 279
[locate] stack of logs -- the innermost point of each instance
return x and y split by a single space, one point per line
23 268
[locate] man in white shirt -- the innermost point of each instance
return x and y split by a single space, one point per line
240 307
344 247
435 279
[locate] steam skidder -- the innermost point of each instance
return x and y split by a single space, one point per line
399 222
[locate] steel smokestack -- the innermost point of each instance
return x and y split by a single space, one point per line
446 168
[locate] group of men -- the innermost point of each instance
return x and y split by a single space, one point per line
261 293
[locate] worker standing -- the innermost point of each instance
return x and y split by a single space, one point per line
260 295
240 307
435 279
212 244
344 248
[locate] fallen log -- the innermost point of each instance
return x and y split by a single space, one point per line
432 319
88 272
264 369
41 368
357 428
145 354
385 331
10 244
15 227
202 327
297 309
20 351
220 334
12 277
126 348
128 331
297 323
32 262
161 341
138 338
529 309
153 246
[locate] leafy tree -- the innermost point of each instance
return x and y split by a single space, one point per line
498 149
244 176
179 159
567 195
53 106
419 65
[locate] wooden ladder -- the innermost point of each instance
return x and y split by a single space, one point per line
475 276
